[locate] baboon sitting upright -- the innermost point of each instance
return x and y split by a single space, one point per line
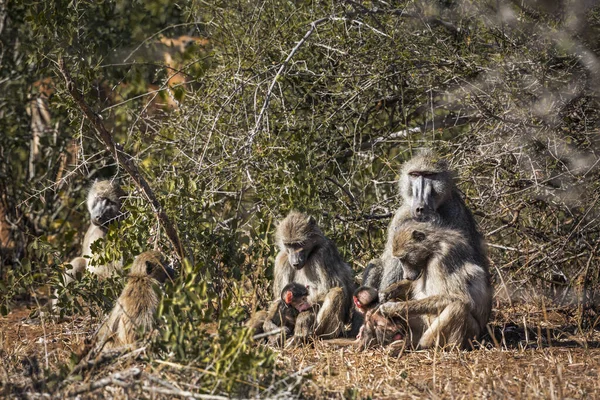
134 310
309 258
428 194
447 295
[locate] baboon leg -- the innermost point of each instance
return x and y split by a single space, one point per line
330 319
305 326
358 320
257 321
449 328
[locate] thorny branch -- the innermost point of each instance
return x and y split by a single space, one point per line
124 159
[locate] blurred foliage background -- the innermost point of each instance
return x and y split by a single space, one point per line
238 112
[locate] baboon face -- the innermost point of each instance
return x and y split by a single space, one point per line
152 263
425 184
413 250
298 234
295 295
104 211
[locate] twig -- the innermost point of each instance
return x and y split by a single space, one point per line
124 159
267 334
313 26
117 378
182 393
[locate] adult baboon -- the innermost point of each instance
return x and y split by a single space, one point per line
135 308
104 204
428 194
309 258
447 295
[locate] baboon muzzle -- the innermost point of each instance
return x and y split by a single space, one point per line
422 200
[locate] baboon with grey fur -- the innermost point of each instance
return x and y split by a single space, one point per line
309 258
447 295
428 194
104 204
134 311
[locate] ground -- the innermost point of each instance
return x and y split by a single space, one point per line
538 354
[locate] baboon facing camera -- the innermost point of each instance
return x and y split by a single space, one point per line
428 194
447 295
134 311
309 258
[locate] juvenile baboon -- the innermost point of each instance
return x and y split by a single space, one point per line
309 258
133 314
447 295
428 194
377 328
283 313
104 204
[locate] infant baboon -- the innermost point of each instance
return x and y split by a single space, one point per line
307 257
428 194
377 329
447 295
104 205
134 311
283 313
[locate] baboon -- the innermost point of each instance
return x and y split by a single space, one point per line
134 311
428 194
447 295
309 258
283 313
104 205
78 265
377 328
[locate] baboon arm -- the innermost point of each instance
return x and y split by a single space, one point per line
283 274
429 305
398 291
269 326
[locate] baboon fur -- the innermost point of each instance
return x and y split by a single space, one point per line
447 296
309 258
421 176
134 311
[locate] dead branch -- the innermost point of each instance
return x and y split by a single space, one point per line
124 159
118 379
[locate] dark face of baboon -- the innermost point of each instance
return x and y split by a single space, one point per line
296 295
425 184
413 250
297 235
104 202
365 299
152 264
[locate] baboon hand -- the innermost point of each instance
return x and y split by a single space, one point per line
391 309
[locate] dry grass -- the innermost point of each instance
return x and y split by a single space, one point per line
537 354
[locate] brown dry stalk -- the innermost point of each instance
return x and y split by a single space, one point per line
124 159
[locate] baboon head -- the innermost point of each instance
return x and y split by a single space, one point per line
297 236
425 184
104 202
412 247
365 299
296 295
152 263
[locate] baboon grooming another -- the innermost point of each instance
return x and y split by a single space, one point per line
446 296
309 258
428 194
135 308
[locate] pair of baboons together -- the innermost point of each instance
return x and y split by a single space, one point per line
135 308
431 286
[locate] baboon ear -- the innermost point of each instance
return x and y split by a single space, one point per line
288 296
418 236
311 220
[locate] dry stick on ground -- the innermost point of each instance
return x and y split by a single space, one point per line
124 159
118 379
